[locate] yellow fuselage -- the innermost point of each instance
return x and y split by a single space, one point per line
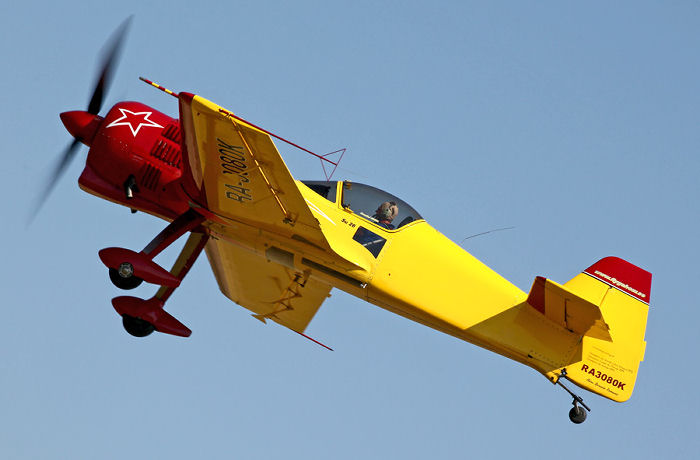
419 274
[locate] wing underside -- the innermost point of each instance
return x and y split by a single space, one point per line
269 290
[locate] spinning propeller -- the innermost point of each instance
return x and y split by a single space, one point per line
83 124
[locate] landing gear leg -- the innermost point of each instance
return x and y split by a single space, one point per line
141 317
578 413
128 269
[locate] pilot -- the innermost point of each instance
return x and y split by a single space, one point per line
385 214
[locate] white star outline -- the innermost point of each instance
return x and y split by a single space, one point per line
121 122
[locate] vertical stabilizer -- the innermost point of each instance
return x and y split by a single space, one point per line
608 366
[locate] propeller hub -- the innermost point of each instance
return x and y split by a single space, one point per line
82 125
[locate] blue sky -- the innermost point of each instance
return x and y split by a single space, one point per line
576 124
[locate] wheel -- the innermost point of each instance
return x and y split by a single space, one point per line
124 282
577 414
137 326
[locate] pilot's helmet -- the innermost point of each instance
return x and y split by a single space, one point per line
387 211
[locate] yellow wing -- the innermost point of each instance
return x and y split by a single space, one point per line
240 175
269 290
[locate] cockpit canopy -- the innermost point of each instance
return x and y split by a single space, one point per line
370 203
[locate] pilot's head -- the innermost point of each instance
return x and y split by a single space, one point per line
387 211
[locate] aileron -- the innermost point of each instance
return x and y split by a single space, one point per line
268 289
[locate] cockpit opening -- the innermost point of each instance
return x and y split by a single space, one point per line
370 203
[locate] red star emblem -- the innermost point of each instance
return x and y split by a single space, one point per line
134 120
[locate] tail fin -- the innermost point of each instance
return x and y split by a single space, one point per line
607 304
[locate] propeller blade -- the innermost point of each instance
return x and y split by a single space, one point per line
58 170
109 58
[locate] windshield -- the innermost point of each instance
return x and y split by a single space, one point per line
378 206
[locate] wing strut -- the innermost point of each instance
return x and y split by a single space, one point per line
323 158
320 157
313 340
287 216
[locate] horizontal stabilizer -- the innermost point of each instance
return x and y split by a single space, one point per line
567 309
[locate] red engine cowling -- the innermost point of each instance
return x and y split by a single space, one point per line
137 148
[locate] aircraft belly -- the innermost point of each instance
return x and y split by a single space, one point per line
519 333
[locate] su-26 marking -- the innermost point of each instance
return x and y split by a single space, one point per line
257 253
604 377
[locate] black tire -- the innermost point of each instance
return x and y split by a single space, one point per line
577 414
124 283
137 326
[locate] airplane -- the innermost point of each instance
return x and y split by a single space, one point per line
278 246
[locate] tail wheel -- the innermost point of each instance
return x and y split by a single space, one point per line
137 326
124 278
577 414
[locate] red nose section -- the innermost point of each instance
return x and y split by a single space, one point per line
82 125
